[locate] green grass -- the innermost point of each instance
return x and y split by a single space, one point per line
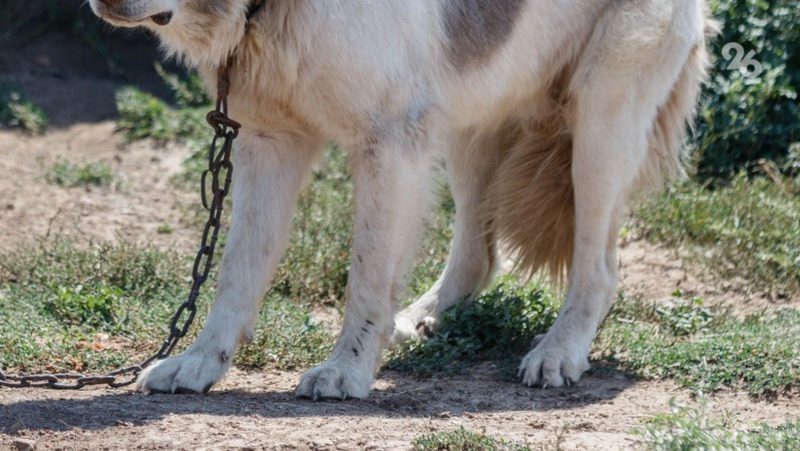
286 339
463 440
499 326
165 229
99 307
704 349
17 112
70 175
71 296
749 230
188 90
142 115
692 428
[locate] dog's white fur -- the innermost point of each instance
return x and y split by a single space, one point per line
382 79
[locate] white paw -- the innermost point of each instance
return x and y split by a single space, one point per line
336 380
407 329
189 373
553 363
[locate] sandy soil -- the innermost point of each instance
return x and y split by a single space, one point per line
141 201
258 410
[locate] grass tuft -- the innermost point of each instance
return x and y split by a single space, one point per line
688 428
499 325
142 115
16 112
287 338
747 230
87 305
704 349
69 175
463 440
98 307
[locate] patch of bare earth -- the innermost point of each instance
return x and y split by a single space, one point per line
655 273
140 206
259 411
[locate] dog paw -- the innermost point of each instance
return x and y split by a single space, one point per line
190 373
335 380
552 364
406 329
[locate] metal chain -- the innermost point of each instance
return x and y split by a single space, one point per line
220 171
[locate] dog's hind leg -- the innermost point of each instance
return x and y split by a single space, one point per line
268 175
471 164
391 184
620 95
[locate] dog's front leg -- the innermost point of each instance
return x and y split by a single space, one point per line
390 196
269 172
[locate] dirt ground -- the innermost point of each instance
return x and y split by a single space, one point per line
258 410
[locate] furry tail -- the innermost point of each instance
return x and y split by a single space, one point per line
530 206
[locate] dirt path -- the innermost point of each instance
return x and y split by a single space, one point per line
259 411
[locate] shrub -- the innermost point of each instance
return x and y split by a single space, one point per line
746 119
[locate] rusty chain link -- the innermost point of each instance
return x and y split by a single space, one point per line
220 171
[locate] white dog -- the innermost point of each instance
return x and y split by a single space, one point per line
549 115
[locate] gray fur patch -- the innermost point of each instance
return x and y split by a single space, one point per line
477 28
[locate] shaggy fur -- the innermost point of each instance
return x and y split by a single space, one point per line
548 114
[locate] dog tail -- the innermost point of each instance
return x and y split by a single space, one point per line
530 206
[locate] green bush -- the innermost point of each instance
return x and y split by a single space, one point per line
746 119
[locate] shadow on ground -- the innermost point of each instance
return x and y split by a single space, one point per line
269 396
72 66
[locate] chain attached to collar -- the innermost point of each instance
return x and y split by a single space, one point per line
219 176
